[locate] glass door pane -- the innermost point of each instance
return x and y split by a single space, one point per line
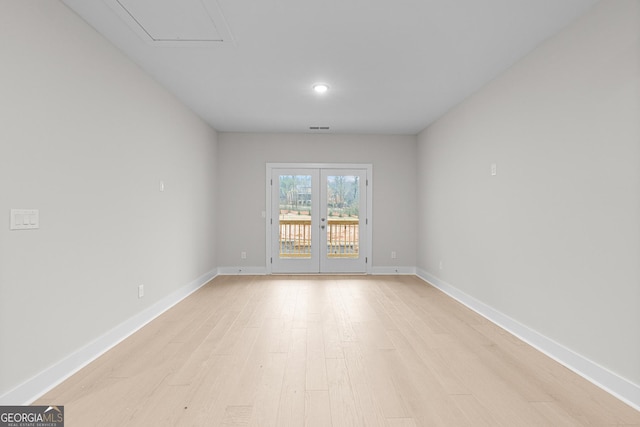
294 239
343 216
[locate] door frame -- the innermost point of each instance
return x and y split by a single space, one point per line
366 249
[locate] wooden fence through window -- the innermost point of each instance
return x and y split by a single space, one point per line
342 238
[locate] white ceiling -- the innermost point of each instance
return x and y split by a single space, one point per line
392 66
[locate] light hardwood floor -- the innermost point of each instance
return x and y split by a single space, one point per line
328 351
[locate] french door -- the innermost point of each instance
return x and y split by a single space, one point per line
318 220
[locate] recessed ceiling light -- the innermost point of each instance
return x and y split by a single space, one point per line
320 87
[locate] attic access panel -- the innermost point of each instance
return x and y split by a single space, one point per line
174 21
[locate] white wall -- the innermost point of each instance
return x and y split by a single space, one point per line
85 138
242 169
553 241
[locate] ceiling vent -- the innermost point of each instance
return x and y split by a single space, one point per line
319 127
174 22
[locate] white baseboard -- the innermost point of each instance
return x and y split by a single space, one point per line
385 271
260 271
612 383
242 271
32 389
44 381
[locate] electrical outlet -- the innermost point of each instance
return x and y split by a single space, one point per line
140 291
494 169
243 255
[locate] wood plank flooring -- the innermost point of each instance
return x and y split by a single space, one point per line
328 351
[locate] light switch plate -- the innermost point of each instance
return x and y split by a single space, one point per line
25 219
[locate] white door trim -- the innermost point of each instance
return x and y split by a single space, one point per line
369 189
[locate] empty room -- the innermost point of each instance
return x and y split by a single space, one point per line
306 213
